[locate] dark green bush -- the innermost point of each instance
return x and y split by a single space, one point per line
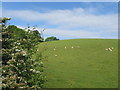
51 38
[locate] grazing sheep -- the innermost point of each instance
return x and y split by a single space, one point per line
109 49
54 49
65 47
55 55
106 49
72 47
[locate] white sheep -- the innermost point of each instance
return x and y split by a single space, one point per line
55 55
106 49
109 49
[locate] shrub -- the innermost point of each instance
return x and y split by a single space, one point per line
19 69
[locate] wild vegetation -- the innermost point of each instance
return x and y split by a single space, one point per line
19 70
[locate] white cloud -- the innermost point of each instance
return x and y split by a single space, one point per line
0 9
68 20
71 33
66 33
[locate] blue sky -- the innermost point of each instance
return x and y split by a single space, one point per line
66 20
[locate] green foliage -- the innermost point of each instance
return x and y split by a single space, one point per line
51 38
17 33
19 69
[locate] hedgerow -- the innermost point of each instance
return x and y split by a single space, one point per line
19 69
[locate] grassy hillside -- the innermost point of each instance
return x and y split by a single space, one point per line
81 63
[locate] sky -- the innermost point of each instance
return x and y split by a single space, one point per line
60 0
66 20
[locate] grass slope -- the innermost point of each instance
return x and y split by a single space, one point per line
86 66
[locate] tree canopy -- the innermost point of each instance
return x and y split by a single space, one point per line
51 38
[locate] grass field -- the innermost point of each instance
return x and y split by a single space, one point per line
81 63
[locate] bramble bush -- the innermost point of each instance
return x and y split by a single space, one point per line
19 69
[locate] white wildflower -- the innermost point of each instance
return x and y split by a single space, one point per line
41 62
20 78
24 54
13 54
15 42
34 70
31 69
32 65
18 43
22 61
37 71
25 81
32 59
24 70
17 50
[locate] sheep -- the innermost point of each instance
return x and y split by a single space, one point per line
72 47
106 49
109 49
55 55
65 47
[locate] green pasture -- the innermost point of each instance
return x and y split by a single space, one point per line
80 63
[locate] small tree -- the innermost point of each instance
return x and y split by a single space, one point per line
51 38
